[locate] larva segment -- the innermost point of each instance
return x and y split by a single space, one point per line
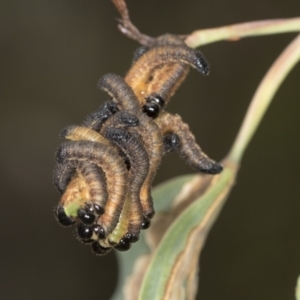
96 119
166 80
97 188
188 148
63 174
121 119
84 198
139 52
120 92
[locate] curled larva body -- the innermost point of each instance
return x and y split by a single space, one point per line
97 188
162 68
187 147
114 168
81 182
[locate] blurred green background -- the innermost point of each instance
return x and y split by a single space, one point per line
52 54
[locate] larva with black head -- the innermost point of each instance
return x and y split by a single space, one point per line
162 68
121 119
138 157
84 185
88 234
85 195
106 158
149 132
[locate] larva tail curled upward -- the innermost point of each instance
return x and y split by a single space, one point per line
178 137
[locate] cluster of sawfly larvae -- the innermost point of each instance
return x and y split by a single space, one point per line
105 169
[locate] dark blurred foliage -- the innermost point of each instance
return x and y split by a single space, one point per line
52 54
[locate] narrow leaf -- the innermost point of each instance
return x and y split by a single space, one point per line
298 289
163 196
173 262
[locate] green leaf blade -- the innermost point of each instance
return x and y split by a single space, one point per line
159 282
163 196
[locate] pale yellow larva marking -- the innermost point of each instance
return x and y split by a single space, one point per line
80 133
122 227
76 194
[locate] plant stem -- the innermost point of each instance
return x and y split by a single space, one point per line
298 289
263 97
237 31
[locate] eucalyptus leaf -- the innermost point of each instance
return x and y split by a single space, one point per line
169 272
163 196
298 289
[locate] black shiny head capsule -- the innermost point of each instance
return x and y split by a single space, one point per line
62 217
150 215
99 210
84 232
151 110
99 231
153 106
146 223
99 250
156 99
132 238
86 216
123 245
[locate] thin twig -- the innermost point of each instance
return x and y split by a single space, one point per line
263 97
127 27
238 31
